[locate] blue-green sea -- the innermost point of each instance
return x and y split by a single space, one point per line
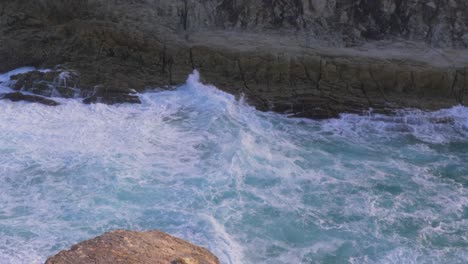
252 187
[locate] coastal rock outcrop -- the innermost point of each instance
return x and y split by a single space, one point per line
128 247
306 58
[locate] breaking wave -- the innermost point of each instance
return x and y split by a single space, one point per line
253 187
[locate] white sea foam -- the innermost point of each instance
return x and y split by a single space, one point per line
253 187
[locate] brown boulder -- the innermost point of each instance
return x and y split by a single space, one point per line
125 247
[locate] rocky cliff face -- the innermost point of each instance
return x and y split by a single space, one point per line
341 22
310 58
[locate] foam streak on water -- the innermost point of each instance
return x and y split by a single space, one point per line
253 187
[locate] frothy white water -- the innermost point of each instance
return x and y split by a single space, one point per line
253 187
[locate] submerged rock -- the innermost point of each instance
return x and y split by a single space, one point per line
18 96
128 247
112 97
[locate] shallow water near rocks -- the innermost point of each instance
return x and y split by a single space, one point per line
252 187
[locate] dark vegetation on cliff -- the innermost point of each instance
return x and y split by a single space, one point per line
312 58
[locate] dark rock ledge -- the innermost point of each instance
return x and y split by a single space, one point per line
17 96
129 247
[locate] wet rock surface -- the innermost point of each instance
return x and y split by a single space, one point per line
47 83
305 58
17 96
128 247
109 96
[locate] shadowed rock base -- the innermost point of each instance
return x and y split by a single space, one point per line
17 96
126 247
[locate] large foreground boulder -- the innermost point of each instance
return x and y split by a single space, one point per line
128 247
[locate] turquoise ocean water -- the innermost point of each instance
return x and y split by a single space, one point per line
252 187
